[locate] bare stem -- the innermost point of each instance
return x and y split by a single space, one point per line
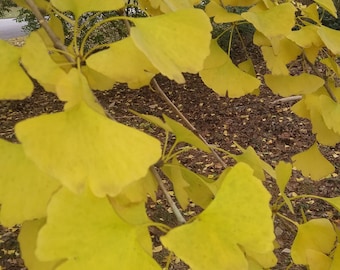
173 206
185 120
55 39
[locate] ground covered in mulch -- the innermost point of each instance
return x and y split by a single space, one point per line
270 128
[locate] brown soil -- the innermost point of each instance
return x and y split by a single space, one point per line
270 128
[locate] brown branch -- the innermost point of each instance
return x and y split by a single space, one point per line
156 86
54 38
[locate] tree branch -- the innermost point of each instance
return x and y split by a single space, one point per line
172 204
185 120
54 38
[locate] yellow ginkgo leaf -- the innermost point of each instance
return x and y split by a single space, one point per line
312 163
228 227
42 4
283 172
73 88
130 64
306 37
160 38
336 259
317 235
277 56
170 5
96 80
311 11
273 22
20 182
330 112
328 5
28 239
331 38
37 60
93 231
14 82
78 7
88 149
220 14
240 3
221 75
286 85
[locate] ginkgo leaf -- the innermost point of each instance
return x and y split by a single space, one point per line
20 182
160 38
283 172
250 157
336 259
42 4
78 7
96 80
277 56
331 38
188 185
228 227
88 149
73 88
312 163
328 5
286 85
240 3
331 113
154 120
222 76
124 63
306 37
185 135
261 40
20 87
170 5
93 231
317 235
335 202
273 22
37 61
220 14
311 11
27 238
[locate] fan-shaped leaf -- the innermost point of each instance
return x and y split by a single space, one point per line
331 38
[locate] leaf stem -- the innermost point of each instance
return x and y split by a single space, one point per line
288 219
156 86
54 38
174 207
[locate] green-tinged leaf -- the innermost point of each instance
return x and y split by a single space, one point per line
78 7
331 38
73 88
283 172
273 22
28 242
286 85
21 181
123 63
42 4
154 120
330 113
220 14
281 53
312 163
188 185
336 259
228 227
37 60
14 83
93 231
316 235
335 202
222 76
160 38
250 157
88 149
306 37
328 5
185 135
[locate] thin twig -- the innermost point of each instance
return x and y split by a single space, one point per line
287 99
54 38
186 121
173 206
